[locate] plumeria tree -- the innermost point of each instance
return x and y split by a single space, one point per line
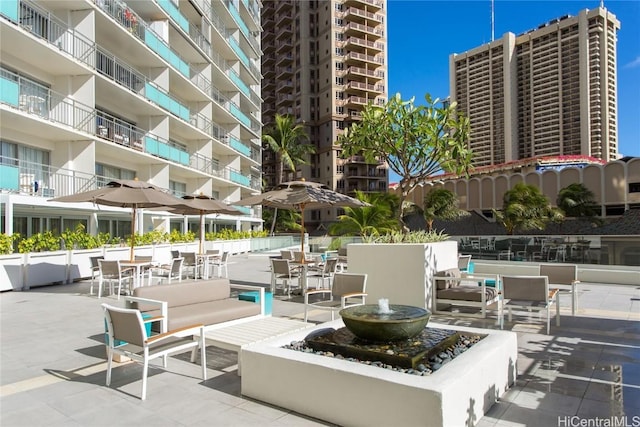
416 141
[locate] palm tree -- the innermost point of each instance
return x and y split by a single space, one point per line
379 218
442 204
285 138
526 208
286 220
576 200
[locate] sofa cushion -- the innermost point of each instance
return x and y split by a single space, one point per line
467 293
446 284
211 312
187 293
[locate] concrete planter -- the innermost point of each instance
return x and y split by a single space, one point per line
401 272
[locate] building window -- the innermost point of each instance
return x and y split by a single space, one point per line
340 125
106 173
634 187
339 94
339 51
339 65
339 80
340 184
178 189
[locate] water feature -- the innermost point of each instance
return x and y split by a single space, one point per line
386 333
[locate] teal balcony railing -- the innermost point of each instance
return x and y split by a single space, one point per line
161 48
174 13
238 82
9 8
244 119
166 151
238 50
238 178
9 177
239 146
166 101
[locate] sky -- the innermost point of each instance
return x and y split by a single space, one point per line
423 33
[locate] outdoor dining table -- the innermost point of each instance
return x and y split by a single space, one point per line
139 269
205 260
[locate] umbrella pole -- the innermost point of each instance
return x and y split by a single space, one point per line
133 233
302 234
201 231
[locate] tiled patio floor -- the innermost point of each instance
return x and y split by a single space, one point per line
52 365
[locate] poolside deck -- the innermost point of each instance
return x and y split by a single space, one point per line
52 366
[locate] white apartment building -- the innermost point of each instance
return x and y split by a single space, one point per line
549 91
165 91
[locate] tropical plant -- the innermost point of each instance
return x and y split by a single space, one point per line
440 203
577 201
80 239
6 243
370 220
40 242
526 208
415 141
286 220
285 138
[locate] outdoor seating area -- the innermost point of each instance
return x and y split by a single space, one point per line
601 337
536 249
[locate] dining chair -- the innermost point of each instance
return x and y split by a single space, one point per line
530 293
287 254
324 273
565 278
169 271
189 264
281 271
221 264
95 270
112 273
127 336
349 289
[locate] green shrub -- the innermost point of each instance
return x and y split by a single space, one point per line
420 236
6 243
40 242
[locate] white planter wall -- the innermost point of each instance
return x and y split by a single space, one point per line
24 271
401 272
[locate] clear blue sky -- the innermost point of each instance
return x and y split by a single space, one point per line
422 34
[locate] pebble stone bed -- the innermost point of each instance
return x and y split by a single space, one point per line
426 367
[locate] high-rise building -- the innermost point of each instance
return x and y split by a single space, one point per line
92 90
323 62
549 91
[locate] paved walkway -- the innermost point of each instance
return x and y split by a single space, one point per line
52 366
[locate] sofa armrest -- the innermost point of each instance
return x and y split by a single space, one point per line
163 305
259 289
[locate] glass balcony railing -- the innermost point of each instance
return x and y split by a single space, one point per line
173 11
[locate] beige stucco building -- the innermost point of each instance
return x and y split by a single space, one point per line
548 91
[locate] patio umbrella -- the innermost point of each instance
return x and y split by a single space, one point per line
300 195
202 205
132 194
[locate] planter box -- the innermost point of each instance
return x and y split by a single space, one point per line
401 272
12 272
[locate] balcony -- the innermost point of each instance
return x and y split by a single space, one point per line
369 4
285 86
359 43
355 72
358 15
355 29
284 72
283 46
284 19
360 58
284 60
354 101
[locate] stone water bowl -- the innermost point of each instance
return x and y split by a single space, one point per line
368 323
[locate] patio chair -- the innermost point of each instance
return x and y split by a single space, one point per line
530 293
189 263
565 278
169 271
281 271
112 273
286 254
95 270
325 273
221 264
127 336
349 289
463 262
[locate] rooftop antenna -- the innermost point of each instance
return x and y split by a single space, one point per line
602 4
493 21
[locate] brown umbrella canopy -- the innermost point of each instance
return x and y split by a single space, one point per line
202 205
125 194
300 195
